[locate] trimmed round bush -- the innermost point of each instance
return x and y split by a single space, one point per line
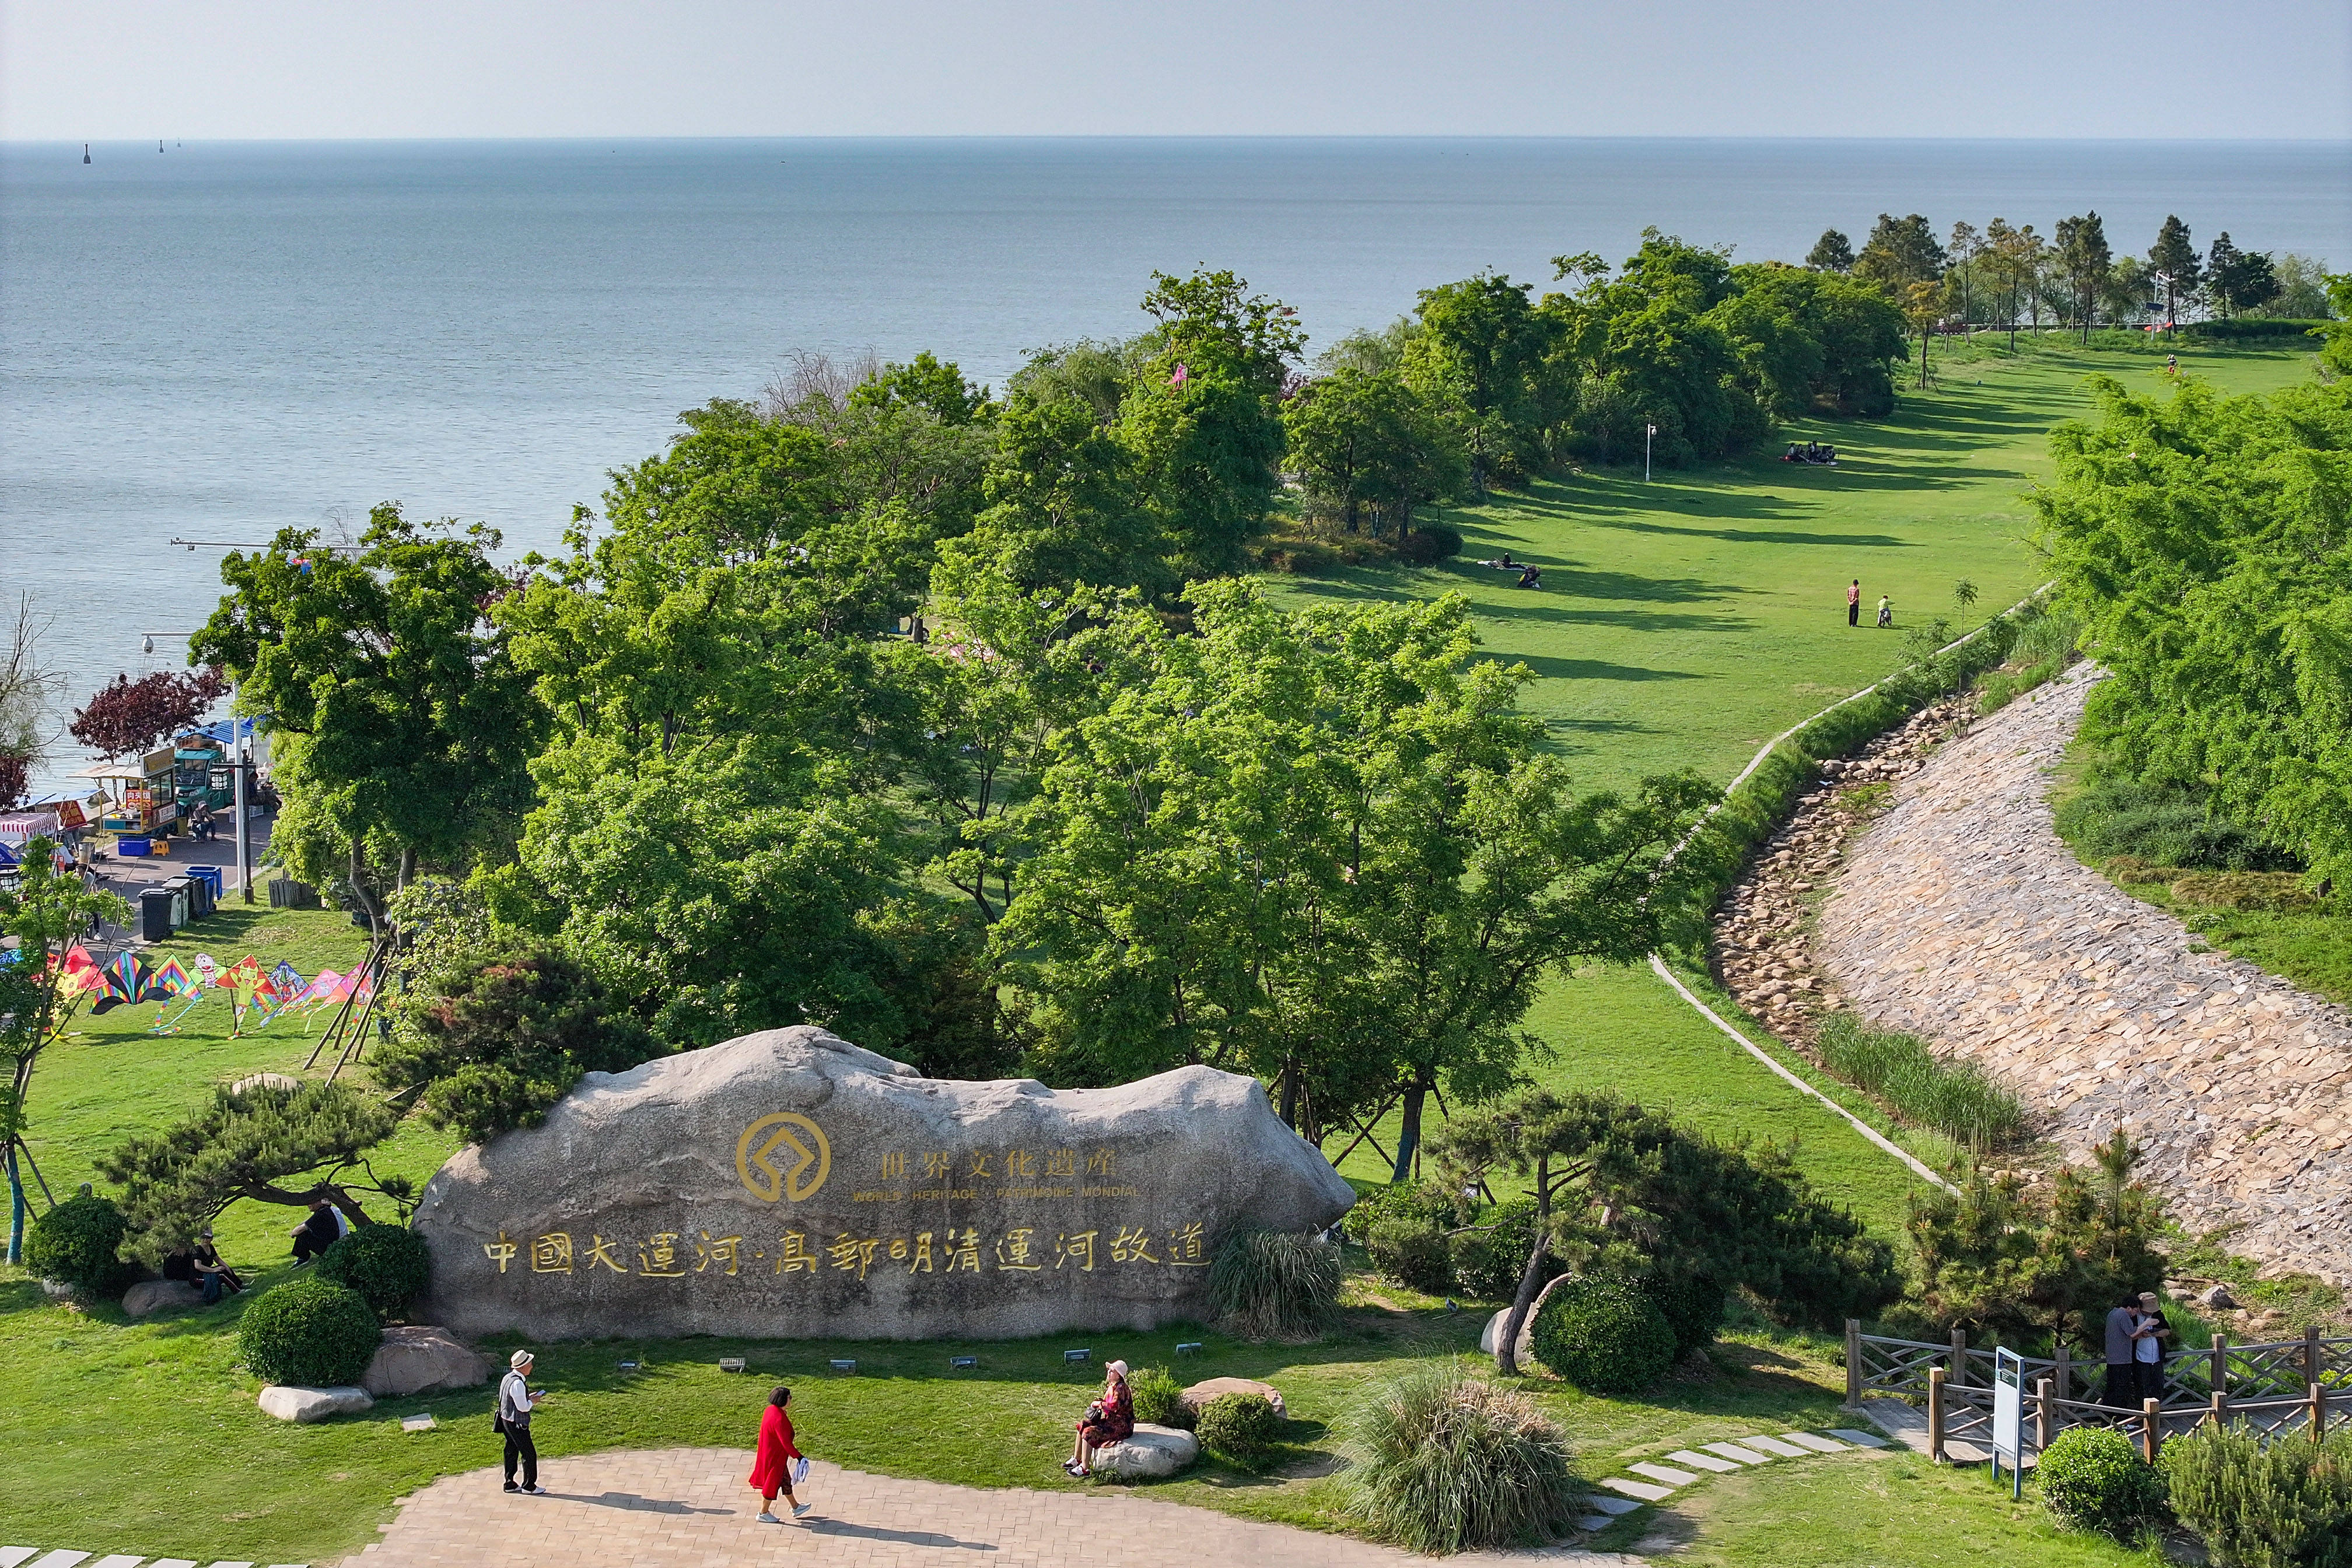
76 1244
1693 1307
1412 1251
2095 1480
1488 1261
312 1334
1603 1335
1441 1460
388 1265
1159 1397
1272 1285
1239 1429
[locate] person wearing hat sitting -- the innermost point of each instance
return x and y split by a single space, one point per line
516 1402
1110 1419
213 1276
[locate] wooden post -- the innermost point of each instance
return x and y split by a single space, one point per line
2311 1363
2066 1372
1853 1364
1936 1414
1959 1362
2217 1412
2043 1414
2218 1378
2151 1429
2318 1410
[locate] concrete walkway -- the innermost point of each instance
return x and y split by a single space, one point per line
674 1508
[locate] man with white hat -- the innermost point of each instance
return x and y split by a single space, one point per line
515 1402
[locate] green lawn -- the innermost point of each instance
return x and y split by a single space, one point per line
1682 623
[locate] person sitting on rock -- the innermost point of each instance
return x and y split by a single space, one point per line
213 1276
1110 1419
318 1233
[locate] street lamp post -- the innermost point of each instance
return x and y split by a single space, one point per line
236 781
1648 430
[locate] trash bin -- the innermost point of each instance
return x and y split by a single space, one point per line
154 914
207 880
184 901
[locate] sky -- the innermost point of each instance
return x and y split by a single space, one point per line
76 71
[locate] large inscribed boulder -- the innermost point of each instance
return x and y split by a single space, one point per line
789 1185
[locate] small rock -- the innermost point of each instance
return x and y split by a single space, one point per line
150 1295
2217 1297
290 1402
1200 1393
1153 1452
420 1358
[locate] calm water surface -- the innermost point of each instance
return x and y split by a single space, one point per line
222 338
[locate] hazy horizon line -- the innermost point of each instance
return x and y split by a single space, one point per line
1199 136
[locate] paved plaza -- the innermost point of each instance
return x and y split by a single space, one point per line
688 1508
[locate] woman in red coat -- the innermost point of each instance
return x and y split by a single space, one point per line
772 1465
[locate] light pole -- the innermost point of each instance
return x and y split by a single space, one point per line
236 779
1648 430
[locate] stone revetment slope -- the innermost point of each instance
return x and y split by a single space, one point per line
1962 916
790 1184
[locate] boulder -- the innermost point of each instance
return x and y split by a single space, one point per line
2218 1298
1153 1453
289 1401
1200 1393
1490 1339
420 1358
784 1183
151 1296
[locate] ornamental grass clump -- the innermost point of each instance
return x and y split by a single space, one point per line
2284 1504
1272 1285
311 1333
1956 1099
1443 1460
2093 1479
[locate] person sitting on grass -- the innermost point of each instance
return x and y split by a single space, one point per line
321 1231
1110 1419
1530 577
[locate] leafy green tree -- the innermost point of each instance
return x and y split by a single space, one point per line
1356 438
2086 259
1900 251
2018 256
495 1044
2201 539
1063 508
2237 280
2126 290
1621 1189
402 729
1478 346
1830 253
268 1143
1808 339
1962 251
2221 265
925 382
2336 351
2174 260
47 911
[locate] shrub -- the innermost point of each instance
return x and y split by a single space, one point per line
2161 823
1954 1098
1603 1335
76 1243
1423 1201
1159 1397
1413 1251
1488 1261
2279 890
1428 546
2092 1479
1693 1306
1441 1460
1269 1285
388 1265
312 1333
2287 1505
1239 1429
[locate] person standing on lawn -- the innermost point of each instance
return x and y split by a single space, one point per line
516 1402
2122 1389
772 1463
2148 1345
1854 602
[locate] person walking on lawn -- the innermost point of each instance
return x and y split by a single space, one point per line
1854 602
516 1402
772 1463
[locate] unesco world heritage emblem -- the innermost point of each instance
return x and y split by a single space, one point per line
787 1134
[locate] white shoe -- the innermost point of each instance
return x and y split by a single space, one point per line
799 1509
770 1519
534 1491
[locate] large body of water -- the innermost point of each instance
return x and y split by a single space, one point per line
218 339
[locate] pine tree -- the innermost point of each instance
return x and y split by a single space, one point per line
2175 260
1830 253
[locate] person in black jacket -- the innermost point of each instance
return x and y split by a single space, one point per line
318 1233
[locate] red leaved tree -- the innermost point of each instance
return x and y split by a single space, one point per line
130 716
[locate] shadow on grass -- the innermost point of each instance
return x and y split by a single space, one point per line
1589 668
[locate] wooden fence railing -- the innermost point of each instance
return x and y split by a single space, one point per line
2281 1386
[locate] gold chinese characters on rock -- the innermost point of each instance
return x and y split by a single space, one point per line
785 1158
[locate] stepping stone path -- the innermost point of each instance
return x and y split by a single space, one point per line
1662 1481
63 1557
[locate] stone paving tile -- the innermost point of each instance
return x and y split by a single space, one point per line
1665 1475
1702 1461
1774 1447
1734 1451
1645 1491
688 1508
1814 1440
1859 1439
1963 916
